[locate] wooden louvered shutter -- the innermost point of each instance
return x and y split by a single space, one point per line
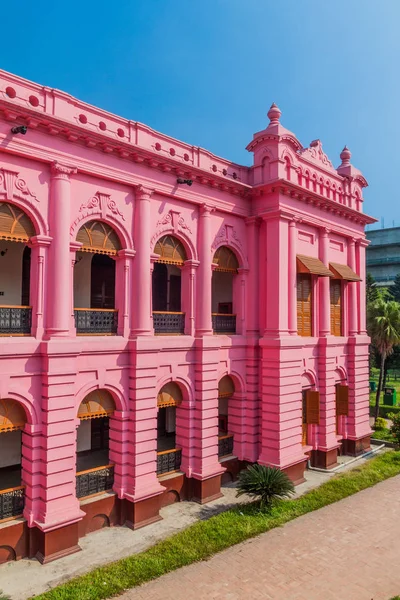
304 305
312 407
342 400
336 306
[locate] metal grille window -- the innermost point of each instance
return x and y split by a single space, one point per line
94 481
169 461
169 322
96 321
224 323
225 445
15 320
12 502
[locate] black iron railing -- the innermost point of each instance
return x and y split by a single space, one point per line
225 445
169 461
223 323
15 320
96 321
94 481
12 502
169 322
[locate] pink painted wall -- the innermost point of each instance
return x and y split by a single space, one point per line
79 163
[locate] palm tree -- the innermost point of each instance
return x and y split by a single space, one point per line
384 330
264 483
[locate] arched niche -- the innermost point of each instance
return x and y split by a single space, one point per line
223 303
169 399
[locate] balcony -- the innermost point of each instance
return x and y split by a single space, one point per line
225 324
12 502
169 461
225 445
15 320
96 321
94 481
168 323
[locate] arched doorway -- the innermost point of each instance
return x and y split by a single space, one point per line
310 409
223 302
12 491
168 455
16 229
94 280
226 389
341 402
168 317
94 472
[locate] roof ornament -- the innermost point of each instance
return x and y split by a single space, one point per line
345 157
274 114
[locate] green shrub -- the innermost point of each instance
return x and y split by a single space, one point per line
395 429
264 484
380 423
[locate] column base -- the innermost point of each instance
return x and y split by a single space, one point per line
206 490
356 447
57 543
324 459
141 513
296 472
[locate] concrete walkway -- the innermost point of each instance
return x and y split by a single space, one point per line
347 550
26 577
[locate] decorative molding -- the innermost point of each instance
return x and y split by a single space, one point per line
174 219
227 234
316 154
12 185
62 171
101 203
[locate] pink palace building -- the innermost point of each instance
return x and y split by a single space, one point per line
166 317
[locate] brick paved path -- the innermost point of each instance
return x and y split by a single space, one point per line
347 551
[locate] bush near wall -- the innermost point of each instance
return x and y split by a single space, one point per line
385 410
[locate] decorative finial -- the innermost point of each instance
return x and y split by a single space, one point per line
274 114
345 156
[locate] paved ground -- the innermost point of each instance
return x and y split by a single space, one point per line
349 550
25 578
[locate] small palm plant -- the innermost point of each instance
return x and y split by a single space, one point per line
264 483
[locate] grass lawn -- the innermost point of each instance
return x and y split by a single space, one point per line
205 538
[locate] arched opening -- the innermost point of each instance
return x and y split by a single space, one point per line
16 229
12 491
94 280
310 408
223 301
168 317
226 389
94 471
168 455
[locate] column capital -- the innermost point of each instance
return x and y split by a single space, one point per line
191 263
325 231
143 193
60 171
126 253
40 240
206 210
363 242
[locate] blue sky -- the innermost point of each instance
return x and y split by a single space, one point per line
206 71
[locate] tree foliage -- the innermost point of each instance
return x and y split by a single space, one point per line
395 290
372 292
264 483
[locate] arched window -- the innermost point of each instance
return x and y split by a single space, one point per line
167 286
224 271
12 493
16 229
95 473
226 389
169 457
95 279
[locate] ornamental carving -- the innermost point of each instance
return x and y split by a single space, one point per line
316 154
170 220
103 204
11 184
227 234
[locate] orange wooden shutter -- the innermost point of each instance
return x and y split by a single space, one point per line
336 306
312 402
342 400
304 306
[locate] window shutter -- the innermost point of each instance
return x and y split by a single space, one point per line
342 400
312 401
304 308
336 306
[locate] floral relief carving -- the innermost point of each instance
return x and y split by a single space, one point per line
316 154
101 203
227 234
170 220
13 185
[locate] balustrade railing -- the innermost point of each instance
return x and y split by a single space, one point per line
169 322
12 502
169 461
223 323
96 321
94 481
15 320
225 445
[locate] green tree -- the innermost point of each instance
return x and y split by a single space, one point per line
384 329
264 483
395 290
372 291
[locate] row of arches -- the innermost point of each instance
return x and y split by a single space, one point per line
95 279
94 458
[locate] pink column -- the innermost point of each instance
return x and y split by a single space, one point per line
292 279
361 247
239 300
203 288
123 290
352 287
119 432
74 247
188 294
39 245
59 279
253 278
142 295
276 306
324 288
